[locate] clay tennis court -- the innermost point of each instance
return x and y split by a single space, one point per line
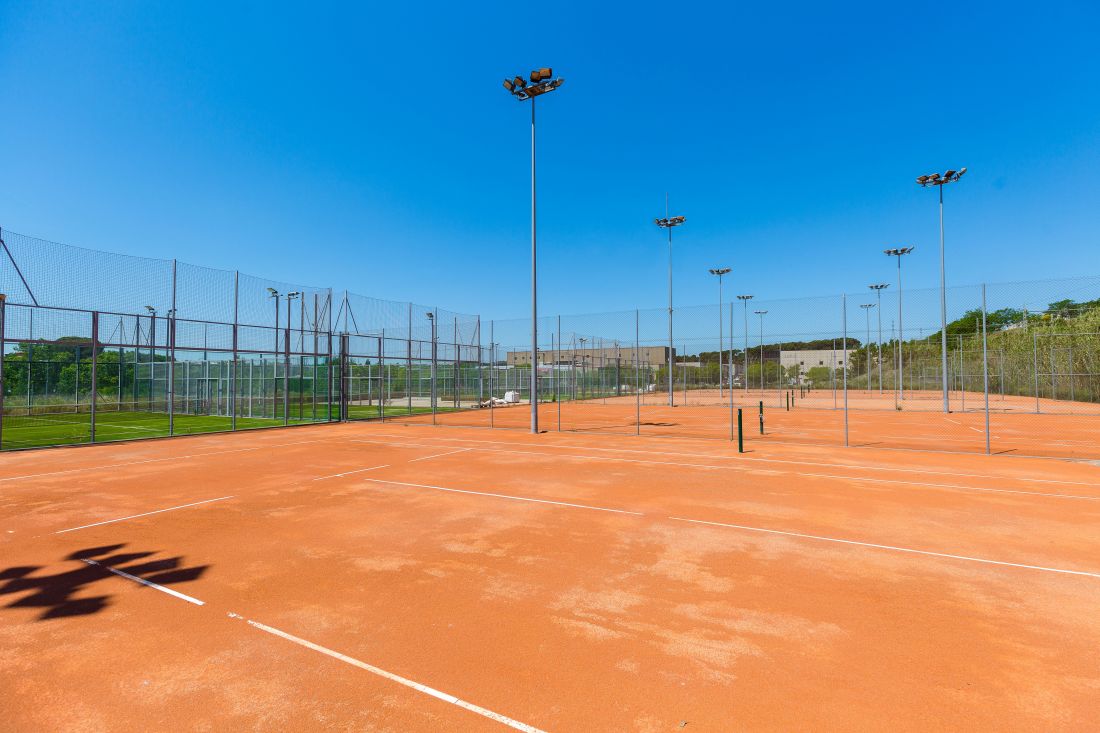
408 577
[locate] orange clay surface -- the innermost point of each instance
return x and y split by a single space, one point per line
1061 429
401 577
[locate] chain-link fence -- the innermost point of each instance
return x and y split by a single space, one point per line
98 347
103 347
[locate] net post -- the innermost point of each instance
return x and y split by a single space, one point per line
740 433
761 417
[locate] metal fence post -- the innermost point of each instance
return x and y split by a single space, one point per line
233 364
3 348
382 376
95 375
637 382
557 360
492 369
985 372
171 389
844 363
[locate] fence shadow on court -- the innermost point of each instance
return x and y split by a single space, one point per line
59 594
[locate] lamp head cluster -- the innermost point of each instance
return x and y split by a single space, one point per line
745 297
879 286
898 251
719 271
272 292
759 313
670 221
541 83
151 309
295 294
866 305
936 179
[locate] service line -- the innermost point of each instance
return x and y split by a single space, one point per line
887 547
505 496
144 514
348 473
440 455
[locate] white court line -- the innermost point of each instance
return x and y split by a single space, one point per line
965 426
865 479
862 467
889 547
440 455
445 697
146 514
348 473
158 460
142 581
505 496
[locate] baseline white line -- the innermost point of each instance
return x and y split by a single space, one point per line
348 473
445 697
744 469
158 460
888 547
857 466
440 455
145 514
505 496
144 582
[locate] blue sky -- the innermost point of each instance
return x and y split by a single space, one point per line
373 147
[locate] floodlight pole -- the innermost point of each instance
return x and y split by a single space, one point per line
745 299
939 181
720 271
878 292
761 314
668 222
541 83
898 252
867 310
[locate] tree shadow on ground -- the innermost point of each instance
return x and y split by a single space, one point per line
56 594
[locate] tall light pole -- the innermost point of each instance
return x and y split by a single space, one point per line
720 271
584 364
761 314
152 350
431 375
541 83
867 310
878 288
273 293
668 222
939 181
745 299
899 252
286 359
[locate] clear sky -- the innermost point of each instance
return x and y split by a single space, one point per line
372 146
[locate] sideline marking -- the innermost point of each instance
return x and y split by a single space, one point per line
348 473
505 496
745 469
142 581
440 455
889 547
146 514
510 722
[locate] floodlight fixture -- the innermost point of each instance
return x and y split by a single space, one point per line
719 271
272 292
879 286
151 309
745 297
759 313
898 251
541 83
